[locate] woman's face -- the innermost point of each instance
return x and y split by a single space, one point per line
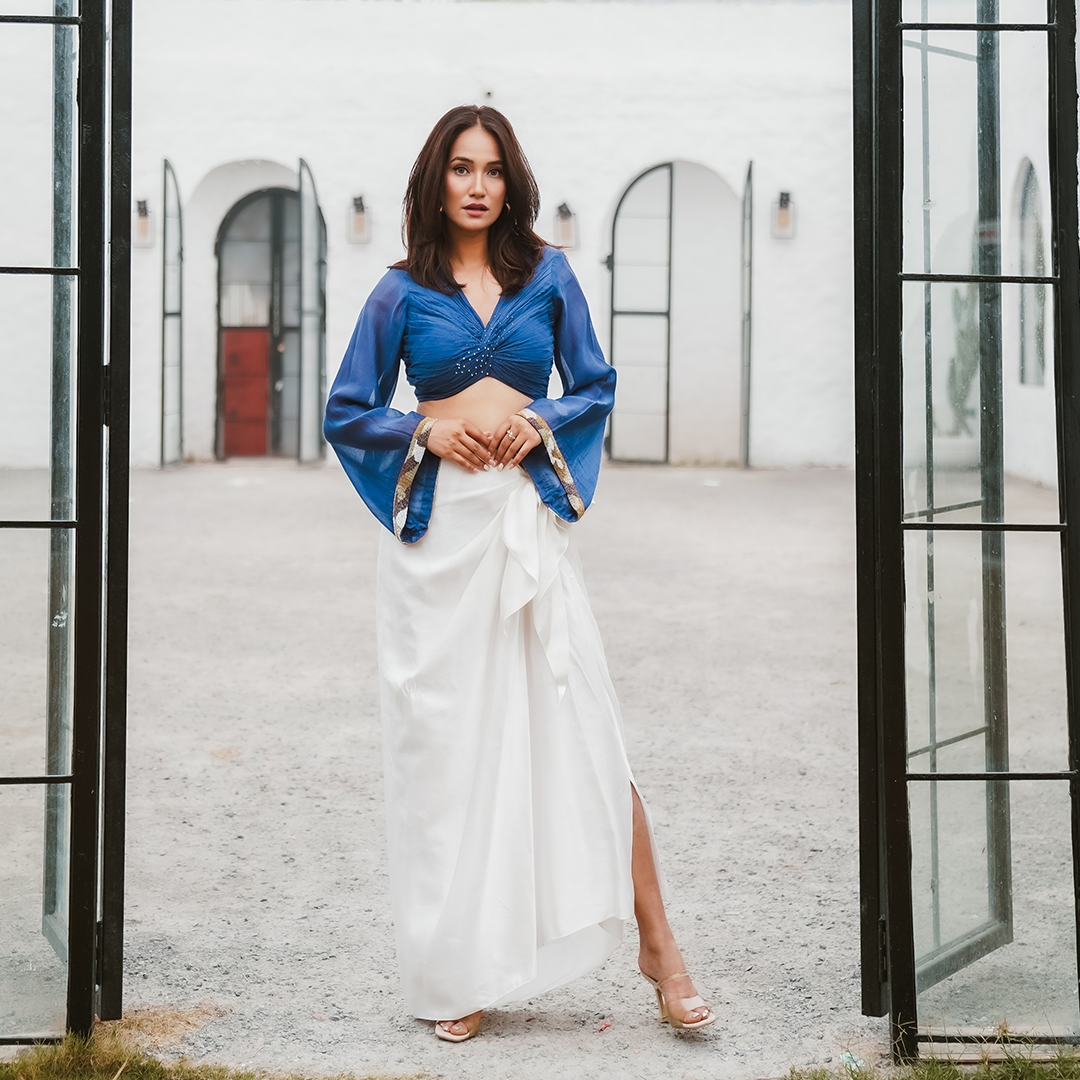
475 189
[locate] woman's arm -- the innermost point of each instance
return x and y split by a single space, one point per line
566 464
381 449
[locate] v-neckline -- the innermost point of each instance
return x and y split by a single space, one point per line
491 317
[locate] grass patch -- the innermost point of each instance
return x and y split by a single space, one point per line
118 1051
1016 1065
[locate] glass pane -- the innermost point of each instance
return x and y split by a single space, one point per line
975 118
33 924
37 112
39 7
36 422
312 257
960 883
643 244
245 260
287 396
1005 11
964 667
290 261
990 439
639 351
35 651
172 438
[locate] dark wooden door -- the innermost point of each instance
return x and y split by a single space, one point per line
246 391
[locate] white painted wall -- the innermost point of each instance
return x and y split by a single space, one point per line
597 92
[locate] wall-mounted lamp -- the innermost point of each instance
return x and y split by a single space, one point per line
142 225
783 217
359 221
565 227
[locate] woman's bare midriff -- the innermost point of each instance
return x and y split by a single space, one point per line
487 403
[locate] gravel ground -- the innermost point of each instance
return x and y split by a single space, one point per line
256 869
257 875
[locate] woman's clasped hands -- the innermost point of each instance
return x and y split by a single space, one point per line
466 445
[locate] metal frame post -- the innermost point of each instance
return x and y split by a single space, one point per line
116 563
89 442
1065 264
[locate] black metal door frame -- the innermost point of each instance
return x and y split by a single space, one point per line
101 144
887 947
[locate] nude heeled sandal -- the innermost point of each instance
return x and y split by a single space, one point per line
673 1012
449 1036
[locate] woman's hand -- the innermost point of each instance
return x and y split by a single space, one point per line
460 442
512 440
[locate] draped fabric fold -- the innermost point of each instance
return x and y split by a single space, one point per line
508 790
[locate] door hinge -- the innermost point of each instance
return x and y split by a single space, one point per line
99 952
106 394
609 261
883 952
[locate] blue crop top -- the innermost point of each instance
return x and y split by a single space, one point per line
446 348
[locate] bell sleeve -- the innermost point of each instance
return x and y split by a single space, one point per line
381 449
566 464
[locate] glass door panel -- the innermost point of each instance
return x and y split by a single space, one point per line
37 72
35 650
967 11
967 324
36 419
960 337
1029 983
640 317
975 106
60 685
311 374
33 977
950 727
172 324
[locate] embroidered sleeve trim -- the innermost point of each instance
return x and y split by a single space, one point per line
558 462
403 491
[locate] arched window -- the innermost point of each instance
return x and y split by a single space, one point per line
1032 297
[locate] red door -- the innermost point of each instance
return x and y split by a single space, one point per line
246 391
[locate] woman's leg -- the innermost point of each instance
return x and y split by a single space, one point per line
658 956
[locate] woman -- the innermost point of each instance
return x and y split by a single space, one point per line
518 844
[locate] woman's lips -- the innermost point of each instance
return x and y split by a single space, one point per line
475 209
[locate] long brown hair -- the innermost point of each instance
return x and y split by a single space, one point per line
513 248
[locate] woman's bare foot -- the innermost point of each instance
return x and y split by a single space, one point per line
459 1030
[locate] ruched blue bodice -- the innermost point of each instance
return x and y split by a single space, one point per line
447 347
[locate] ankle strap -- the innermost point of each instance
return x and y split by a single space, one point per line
677 975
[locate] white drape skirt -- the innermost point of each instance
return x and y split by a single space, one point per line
508 791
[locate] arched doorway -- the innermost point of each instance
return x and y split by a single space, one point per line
677 329
271 327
